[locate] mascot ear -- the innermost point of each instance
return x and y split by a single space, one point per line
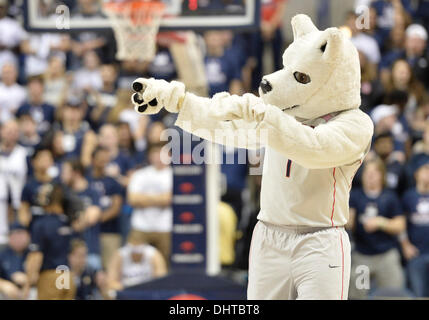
301 25
330 43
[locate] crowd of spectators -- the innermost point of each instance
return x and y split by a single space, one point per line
68 126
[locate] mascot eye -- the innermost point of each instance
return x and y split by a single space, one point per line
302 77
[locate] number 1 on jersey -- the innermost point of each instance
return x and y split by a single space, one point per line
288 167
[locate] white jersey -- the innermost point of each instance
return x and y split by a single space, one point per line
135 273
308 166
152 181
322 200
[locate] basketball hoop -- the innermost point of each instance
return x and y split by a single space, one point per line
135 24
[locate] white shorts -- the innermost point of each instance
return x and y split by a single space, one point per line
298 263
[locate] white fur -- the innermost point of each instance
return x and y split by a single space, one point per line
322 151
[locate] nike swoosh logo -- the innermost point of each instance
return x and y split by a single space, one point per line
330 266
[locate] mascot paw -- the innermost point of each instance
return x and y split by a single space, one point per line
152 95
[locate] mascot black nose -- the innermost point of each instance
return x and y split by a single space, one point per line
265 86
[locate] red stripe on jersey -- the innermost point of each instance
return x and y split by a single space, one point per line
333 202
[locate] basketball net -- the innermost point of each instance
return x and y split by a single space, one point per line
135 24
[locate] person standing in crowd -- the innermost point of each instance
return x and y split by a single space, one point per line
30 209
111 200
270 34
121 164
223 73
50 245
12 95
42 113
376 219
73 175
76 138
150 195
135 263
13 172
12 259
11 37
415 241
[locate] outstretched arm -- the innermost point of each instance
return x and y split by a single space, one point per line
219 119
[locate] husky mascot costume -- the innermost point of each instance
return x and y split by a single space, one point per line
316 139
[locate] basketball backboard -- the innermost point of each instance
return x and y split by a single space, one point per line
53 15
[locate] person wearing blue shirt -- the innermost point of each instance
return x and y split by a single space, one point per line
74 177
375 221
89 283
75 135
12 274
111 199
42 113
223 73
415 242
50 244
30 208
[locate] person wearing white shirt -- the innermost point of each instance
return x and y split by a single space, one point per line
13 172
150 194
12 95
11 35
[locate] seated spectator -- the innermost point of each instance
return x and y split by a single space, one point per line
13 171
111 200
415 242
12 95
150 194
135 263
414 52
11 36
90 283
42 113
30 209
73 175
375 220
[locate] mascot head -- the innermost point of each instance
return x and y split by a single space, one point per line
321 73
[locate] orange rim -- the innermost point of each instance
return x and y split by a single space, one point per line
151 6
